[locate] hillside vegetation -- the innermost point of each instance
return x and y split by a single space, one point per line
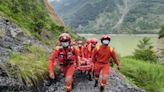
112 16
149 76
33 18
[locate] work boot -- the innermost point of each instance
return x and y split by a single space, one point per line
73 85
90 77
96 83
101 89
49 82
93 73
81 72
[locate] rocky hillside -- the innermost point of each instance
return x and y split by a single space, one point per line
53 14
27 36
114 16
12 40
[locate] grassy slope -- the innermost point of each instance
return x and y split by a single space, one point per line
33 18
145 75
32 66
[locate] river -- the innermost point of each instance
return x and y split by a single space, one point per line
125 44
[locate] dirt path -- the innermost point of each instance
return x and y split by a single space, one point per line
116 83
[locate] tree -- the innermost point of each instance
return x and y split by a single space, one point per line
161 32
145 51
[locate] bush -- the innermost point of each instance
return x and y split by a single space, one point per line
145 75
145 51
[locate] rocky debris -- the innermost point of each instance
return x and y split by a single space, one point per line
13 39
10 84
116 83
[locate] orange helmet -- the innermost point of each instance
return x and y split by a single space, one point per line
64 37
93 41
105 37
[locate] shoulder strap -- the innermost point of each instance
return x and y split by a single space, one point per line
73 49
110 49
97 48
89 48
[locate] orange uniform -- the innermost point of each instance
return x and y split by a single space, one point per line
90 51
85 51
80 51
66 57
100 57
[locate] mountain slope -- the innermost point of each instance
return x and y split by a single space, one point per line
114 16
53 14
32 17
27 37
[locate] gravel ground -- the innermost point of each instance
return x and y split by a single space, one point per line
116 83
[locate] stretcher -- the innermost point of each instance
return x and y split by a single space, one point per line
85 65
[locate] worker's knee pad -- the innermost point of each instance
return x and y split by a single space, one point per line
105 77
68 83
68 79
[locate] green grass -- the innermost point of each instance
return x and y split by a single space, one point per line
149 76
33 18
32 65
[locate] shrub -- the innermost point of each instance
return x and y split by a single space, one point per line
145 51
161 32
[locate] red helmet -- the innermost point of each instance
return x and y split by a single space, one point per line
88 41
64 37
73 43
94 41
105 37
79 42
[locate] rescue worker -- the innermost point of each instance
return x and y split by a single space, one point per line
79 49
89 51
66 57
100 57
85 49
93 44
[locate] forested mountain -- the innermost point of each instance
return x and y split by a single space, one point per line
114 16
